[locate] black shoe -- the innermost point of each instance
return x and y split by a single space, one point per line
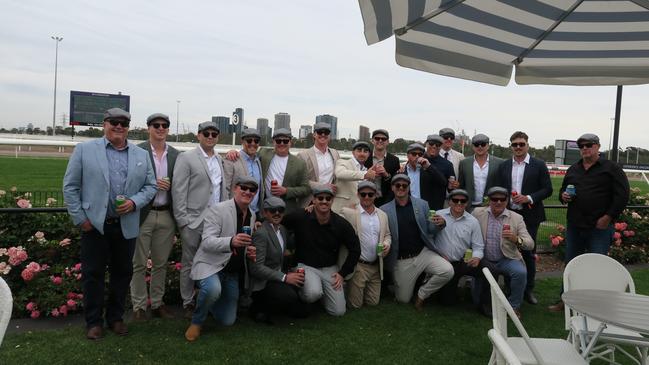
530 298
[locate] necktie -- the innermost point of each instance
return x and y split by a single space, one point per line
446 155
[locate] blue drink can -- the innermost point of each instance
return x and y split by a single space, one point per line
570 189
246 230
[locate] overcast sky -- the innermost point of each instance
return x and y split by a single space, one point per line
301 57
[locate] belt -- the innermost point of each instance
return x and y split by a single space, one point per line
368 262
112 220
407 256
161 207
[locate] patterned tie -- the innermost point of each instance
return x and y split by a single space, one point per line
446 155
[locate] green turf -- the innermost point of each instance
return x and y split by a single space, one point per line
32 174
388 334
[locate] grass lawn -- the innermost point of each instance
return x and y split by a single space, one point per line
31 173
388 334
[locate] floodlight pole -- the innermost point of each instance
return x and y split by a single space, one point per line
177 118
57 39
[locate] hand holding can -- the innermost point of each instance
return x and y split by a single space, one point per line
247 230
120 199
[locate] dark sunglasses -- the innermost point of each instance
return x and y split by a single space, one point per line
480 144
207 134
323 132
448 136
252 140
160 125
362 149
380 139
282 141
123 123
498 200
418 154
586 145
275 210
366 195
401 186
521 144
251 189
458 201
436 144
324 197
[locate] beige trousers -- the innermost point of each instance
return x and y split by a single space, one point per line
364 286
318 285
407 271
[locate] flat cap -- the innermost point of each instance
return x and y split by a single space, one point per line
381 131
322 189
414 147
208 125
246 180
588 137
444 131
497 190
282 132
321 126
458 192
156 116
398 177
273 202
435 138
117 113
250 132
480 138
366 184
361 145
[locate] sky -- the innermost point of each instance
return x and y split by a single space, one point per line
305 58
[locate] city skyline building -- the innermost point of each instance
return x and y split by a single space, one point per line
332 121
282 120
222 123
363 133
237 128
305 131
264 129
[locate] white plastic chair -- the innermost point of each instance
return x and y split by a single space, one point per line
541 351
6 305
502 349
596 271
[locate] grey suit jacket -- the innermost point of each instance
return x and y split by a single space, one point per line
312 172
233 169
465 175
192 188
295 180
270 256
172 154
219 227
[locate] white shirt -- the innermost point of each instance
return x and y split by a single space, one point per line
370 228
325 166
278 233
276 171
454 156
358 165
479 180
518 171
161 170
216 175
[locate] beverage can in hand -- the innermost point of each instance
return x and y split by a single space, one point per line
431 213
570 189
506 227
166 178
300 270
246 229
468 255
379 248
120 199
273 183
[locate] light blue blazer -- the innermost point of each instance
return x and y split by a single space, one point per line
86 186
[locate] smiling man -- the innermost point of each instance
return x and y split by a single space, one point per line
387 165
479 172
245 164
320 159
349 173
447 152
426 181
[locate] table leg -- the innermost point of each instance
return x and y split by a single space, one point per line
593 340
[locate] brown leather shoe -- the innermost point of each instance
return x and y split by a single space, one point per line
119 328
556 307
95 333
419 304
189 311
162 312
139 315
193 332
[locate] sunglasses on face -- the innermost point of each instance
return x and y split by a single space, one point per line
207 134
416 154
366 195
251 189
436 144
521 144
498 200
480 144
380 139
160 125
252 140
324 197
448 136
282 141
123 123
401 186
458 201
362 150
275 210
586 145
323 132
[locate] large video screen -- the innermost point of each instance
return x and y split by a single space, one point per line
87 108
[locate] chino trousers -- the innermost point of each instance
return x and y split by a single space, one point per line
365 285
407 271
318 284
191 238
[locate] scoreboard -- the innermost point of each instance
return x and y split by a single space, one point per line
87 108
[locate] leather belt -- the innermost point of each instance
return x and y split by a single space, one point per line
371 263
161 207
112 220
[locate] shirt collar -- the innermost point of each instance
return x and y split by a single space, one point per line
247 157
107 143
363 211
321 153
205 154
526 160
417 167
505 213
166 149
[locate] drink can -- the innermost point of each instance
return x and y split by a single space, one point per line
379 248
246 230
120 199
451 178
431 213
514 193
506 227
468 255
273 183
166 178
300 270
570 189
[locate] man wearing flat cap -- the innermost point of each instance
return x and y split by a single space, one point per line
426 181
198 185
504 234
319 236
479 172
385 164
600 192
274 287
220 260
447 152
107 182
348 173
157 227
371 227
320 159
413 250
246 164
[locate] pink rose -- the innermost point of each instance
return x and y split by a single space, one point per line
4 268
77 276
55 312
79 296
65 242
57 280
71 304
618 242
34 266
631 233
178 266
555 242
63 310
617 235
45 267
77 267
39 235
27 275
31 306
149 263
71 295
23 203
35 314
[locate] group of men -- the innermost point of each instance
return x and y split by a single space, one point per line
285 231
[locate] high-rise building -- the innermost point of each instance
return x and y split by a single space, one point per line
263 129
332 121
237 128
282 120
223 123
305 131
363 133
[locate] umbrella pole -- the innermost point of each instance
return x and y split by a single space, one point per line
616 127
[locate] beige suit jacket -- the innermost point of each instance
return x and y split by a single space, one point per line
312 172
517 225
348 175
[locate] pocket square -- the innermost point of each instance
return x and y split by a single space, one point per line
139 164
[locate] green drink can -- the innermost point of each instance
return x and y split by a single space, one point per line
120 199
166 178
431 213
468 255
379 248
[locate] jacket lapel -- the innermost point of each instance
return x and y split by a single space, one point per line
508 172
314 161
199 155
102 160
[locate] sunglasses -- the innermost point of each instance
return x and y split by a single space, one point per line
251 189
123 123
586 145
521 144
252 140
480 144
458 201
160 125
366 195
275 210
324 197
362 149
380 139
323 132
448 136
207 134
436 144
498 200
417 154
282 141
401 186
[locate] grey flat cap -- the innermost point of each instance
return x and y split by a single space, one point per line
361 145
435 138
117 113
321 127
480 138
366 184
245 180
322 189
497 190
155 116
414 147
444 131
381 131
208 125
282 132
250 132
588 137
273 202
398 177
458 192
